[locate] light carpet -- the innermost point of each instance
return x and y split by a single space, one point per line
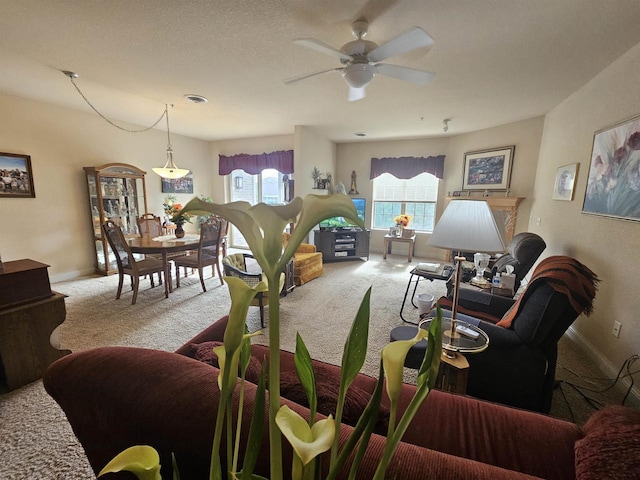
36 441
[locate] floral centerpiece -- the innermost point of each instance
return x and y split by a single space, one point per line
172 210
262 226
402 221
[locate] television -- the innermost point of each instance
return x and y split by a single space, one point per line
341 222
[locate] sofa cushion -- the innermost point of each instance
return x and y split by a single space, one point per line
204 353
611 447
327 389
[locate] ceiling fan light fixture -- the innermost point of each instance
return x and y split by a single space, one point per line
358 75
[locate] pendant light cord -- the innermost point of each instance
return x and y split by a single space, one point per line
166 114
114 124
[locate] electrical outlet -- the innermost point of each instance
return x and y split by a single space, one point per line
616 329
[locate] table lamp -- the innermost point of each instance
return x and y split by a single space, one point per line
465 226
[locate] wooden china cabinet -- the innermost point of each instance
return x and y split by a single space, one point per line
116 192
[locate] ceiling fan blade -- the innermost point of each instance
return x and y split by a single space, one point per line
356 94
321 47
405 73
410 40
308 75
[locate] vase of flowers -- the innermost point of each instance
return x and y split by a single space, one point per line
402 221
172 210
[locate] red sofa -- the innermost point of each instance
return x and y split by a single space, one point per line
116 397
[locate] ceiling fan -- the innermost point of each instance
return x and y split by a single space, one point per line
361 58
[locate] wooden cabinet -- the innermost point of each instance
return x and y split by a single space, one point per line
116 192
30 312
342 244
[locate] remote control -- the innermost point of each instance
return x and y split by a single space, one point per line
467 332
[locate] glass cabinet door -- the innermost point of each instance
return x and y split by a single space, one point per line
117 192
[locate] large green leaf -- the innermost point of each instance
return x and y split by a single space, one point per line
304 368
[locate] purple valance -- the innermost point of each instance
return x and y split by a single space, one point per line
408 167
281 160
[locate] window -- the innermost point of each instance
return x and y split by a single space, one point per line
416 197
267 187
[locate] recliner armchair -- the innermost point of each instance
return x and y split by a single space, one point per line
523 251
518 368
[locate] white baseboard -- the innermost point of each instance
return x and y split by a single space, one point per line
607 368
63 277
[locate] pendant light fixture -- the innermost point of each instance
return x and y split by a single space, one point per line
170 170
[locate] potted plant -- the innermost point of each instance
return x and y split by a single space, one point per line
262 226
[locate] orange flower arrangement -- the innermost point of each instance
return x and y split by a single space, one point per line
403 220
171 209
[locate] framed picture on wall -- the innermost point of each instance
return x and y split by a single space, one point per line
613 186
16 178
565 181
488 169
178 185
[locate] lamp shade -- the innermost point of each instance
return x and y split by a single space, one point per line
467 226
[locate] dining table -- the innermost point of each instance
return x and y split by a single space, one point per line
164 245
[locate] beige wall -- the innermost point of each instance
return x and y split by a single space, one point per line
312 150
54 227
608 246
525 135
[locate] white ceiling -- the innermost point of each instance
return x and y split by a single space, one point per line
496 61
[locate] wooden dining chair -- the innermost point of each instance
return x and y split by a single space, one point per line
127 264
206 255
149 225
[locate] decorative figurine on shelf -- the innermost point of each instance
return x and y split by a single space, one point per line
354 189
327 183
340 188
315 173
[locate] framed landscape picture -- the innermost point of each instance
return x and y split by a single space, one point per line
178 185
488 169
16 178
613 186
565 181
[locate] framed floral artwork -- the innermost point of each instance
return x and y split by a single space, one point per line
178 185
565 182
16 178
613 186
488 169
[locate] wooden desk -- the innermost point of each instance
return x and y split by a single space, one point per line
389 239
164 245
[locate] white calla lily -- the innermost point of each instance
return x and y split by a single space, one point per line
307 442
393 357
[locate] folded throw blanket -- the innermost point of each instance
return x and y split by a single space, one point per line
565 275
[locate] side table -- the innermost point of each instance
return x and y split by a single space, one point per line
389 239
443 272
454 369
